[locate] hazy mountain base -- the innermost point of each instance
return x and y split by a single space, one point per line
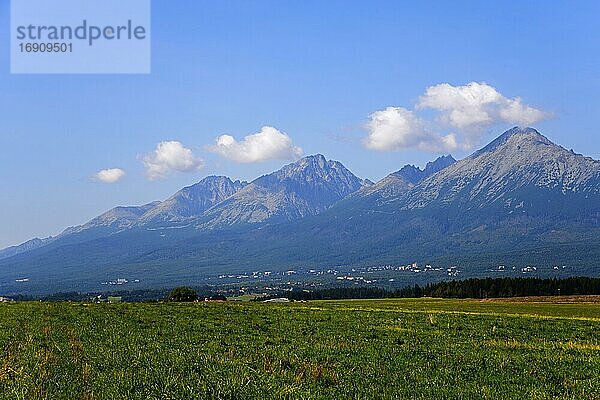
189 257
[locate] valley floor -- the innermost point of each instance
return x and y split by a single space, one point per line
367 349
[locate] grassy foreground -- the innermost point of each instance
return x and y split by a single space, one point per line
414 349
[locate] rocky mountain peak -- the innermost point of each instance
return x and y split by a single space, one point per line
313 170
438 164
409 173
213 182
305 187
313 161
414 175
312 164
518 137
406 178
507 171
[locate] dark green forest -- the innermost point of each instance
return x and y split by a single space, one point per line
468 288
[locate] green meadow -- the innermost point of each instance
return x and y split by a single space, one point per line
360 349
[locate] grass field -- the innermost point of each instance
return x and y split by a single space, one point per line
367 349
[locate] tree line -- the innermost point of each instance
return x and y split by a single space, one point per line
478 288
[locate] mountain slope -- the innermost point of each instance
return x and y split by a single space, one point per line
519 172
24 247
110 222
519 190
306 187
115 219
193 200
189 202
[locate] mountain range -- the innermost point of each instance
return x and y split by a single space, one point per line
520 199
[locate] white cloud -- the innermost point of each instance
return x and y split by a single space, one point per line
397 128
515 112
477 105
169 157
464 114
110 175
268 144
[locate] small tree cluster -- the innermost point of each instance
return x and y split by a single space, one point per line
183 293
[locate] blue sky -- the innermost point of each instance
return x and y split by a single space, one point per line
314 70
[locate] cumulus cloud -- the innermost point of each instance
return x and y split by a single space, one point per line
268 144
397 128
110 175
476 105
463 115
514 111
169 157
